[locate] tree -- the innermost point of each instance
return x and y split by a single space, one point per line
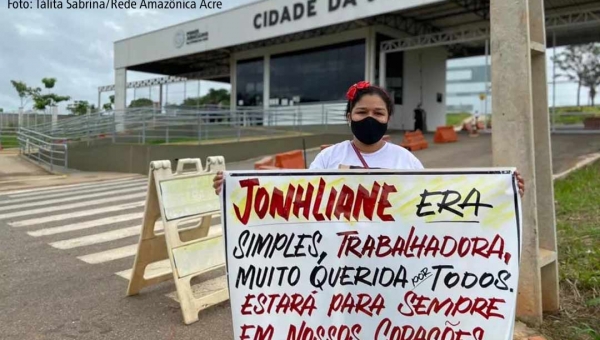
213 97
591 78
79 107
43 100
109 106
141 102
577 61
23 90
40 100
216 97
192 101
49 82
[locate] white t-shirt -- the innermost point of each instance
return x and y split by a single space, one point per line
342 155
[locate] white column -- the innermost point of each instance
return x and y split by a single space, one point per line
266 88
369 55
382 66
54 113
198 96
120 88
266 81
120 97
160 97
487 79
233 83
20 117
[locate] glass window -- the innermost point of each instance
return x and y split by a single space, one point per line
249 88
316 75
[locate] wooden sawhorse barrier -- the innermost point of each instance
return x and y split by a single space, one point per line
180 198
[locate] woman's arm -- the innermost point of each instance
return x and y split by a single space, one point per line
218 182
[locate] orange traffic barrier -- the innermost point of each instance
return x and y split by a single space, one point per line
445 134
290 160
287 160
414 141
267 163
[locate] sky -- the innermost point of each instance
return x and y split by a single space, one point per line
75 46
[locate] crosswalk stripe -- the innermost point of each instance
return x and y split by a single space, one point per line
110 255
70 193
70 206
153 269
69 199
86 225
115 235
57 188
71 215
130 250
96 238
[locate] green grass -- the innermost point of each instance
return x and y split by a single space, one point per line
578 231
456 118
585 109
560 119
9 141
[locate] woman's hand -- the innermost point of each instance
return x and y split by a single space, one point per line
218 182
520 183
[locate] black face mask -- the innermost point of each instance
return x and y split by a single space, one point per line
368 130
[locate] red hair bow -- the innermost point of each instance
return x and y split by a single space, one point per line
358 86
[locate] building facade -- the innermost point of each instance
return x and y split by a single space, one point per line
291 53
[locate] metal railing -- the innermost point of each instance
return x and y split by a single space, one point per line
43 149
145 125
47 143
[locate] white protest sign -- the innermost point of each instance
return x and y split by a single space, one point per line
372 255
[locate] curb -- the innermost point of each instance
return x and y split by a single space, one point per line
587 160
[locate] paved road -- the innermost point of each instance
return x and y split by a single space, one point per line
65 252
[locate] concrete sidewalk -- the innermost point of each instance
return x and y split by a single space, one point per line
19 173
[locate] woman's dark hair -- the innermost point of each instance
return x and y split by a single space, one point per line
372 90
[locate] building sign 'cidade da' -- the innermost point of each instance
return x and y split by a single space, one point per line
298 11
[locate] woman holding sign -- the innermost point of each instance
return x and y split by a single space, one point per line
368 112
